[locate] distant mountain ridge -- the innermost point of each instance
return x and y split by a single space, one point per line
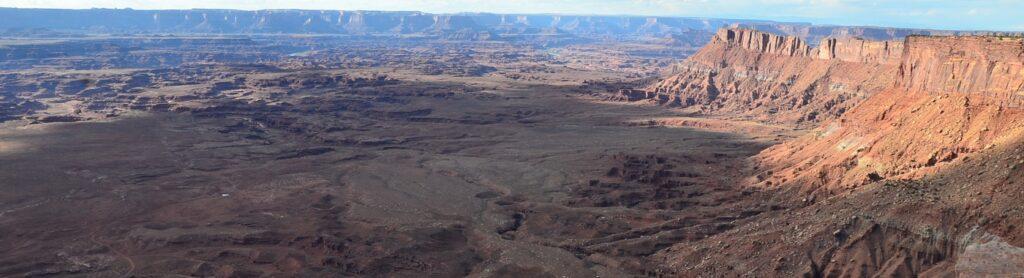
453 26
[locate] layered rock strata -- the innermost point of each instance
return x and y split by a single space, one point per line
954 97
779 79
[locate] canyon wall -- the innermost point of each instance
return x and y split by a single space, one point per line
953 97
763 43
921 179
986 65
777 78
859 51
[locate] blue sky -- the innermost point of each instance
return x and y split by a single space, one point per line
939 14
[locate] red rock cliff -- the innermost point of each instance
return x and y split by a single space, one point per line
988 65
777 78
859 51
762 42
955 96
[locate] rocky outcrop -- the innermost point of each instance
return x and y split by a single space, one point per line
985 65
760 42
779 79
859 50
920 179
954 97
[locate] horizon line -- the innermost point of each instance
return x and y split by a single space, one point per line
528 14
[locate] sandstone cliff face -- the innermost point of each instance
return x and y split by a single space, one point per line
859 51
954 97
762 42
779 79
987 65
922 179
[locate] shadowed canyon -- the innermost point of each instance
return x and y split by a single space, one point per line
293 143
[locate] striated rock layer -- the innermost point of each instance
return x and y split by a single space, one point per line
779 79
954 96
923 179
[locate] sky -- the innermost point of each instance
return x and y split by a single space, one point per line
997 15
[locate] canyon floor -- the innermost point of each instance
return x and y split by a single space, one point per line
516 179
286 168
274 156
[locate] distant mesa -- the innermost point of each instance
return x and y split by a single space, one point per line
448 26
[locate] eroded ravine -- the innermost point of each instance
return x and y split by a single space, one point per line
568 188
